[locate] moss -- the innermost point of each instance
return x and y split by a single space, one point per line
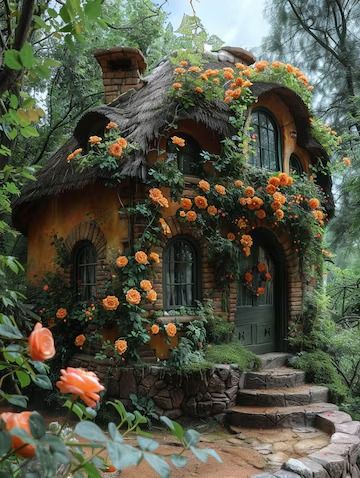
232 353
319 369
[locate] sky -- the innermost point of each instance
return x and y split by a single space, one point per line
237 22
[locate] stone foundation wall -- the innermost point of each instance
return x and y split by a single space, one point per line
207 394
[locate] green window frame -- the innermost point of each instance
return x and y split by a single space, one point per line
181 274
84 261
188 157
295 165
267 147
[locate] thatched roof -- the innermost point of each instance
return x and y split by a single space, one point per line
142 114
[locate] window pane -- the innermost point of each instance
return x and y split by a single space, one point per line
295 165
266 153
180 267
84 264
188 157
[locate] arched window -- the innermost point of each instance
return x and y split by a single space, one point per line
180 274
188 157
84 270
267 144
295 165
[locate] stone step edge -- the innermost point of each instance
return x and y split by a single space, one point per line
335 460
281 390
247 410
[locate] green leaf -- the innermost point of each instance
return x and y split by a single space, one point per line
5 443
18 400
23 378
147 444
158 464
93 9
26 56
43 381
179 461
203 454
10 332
90 431
37 425
191 437
123 456
12 59
114 433
175 427
29 132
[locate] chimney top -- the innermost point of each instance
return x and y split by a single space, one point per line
234 54
122 68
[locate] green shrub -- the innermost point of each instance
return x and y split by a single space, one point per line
232 353
218 330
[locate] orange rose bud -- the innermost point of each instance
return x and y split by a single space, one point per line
121 346
141 257
45 288
41 343
80 384
146 285
80 340
61 313
171 329
204 185
176 85
199 90
201 202
122 261
186 204
111 125
21 421
133 297
191 216
151 296
111 302
238 183
154 256
155 329
178 141
347 161
165 227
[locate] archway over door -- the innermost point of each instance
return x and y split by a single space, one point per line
261 320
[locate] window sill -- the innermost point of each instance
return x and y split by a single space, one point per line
182 319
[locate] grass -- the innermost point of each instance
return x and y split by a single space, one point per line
232 353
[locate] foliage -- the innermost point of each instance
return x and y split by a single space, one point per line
146 406
218 330
232 353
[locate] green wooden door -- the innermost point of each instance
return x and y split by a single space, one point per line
255 324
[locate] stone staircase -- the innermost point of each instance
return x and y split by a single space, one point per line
277 396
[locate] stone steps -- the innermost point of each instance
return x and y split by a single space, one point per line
270 417
281 377
274 360
283 397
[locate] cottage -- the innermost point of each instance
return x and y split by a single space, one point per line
88 207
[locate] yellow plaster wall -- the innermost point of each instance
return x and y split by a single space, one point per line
60 214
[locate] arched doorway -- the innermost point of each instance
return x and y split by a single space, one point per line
260 320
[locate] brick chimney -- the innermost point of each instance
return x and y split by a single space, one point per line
121 70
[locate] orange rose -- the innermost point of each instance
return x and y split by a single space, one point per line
283 178
178 141
80 340
155 329
238 183
111 302
141 257
201 202
212 210
133 297
199 90
347 161
61 313
261 267
204 185
246 251
21 421
176 85
228 75
179 71
261 65
290 181
279 213
182 213
115 150
122 261
95 140
183 63
194 69
249 192
248 277
80 384
41 343
151 296
121 346
154 256
260 214
246 240
260 291
191 216
123 143
274 181
186 203
275 205
146 285
279 197
242 223
231 236
111 125
170 329
318 215
45 288
220 189
268 276
157 197
243 201
165 227
314 203
271 189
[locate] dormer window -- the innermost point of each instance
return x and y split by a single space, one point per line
187 157
267 141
